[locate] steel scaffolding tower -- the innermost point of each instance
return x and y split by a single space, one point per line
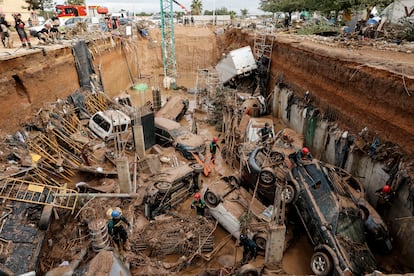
168 44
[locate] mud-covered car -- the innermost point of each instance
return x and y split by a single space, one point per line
264 168
345 184
174 109
229 203
333 222
170 187
170 133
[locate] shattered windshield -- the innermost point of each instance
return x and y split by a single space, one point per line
350 226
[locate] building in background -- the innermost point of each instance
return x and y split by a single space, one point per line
9 7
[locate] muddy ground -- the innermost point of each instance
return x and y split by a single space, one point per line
360 85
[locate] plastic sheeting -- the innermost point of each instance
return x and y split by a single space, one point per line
84 64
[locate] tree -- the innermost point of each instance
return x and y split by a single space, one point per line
232 14
76 2
244 12
39 4
196 7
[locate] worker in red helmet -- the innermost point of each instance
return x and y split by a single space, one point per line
199 205
213 148
304 154
385 197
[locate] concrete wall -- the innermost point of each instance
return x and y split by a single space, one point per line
329 142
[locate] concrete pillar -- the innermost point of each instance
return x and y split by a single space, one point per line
139 140
122 167
275 244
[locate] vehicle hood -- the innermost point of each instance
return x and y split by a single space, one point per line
359 257
190 140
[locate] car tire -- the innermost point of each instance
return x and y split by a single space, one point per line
276 157
211 198
267 177
163 187
321 264
247 270
45 217
197 168
260 239
234 180
289 194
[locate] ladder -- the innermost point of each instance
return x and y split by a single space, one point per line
38 193
263 43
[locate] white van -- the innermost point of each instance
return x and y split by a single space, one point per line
106 123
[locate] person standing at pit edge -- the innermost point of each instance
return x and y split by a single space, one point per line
19 26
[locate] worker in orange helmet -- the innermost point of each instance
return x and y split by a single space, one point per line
213 148
198 204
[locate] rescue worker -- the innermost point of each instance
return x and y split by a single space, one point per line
385 198
19 26
249 248
199 205
304 154
117 230
4 25
55 26
213 148
265 132
44 35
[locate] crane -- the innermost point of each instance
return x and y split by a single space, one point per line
168 44
182 6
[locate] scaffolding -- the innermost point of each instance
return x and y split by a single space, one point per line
207 82
168 44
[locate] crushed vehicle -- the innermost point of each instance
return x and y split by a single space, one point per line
170 187
264 168
105 124
174 109
333 222
229 204
170 133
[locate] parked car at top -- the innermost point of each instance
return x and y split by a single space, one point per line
174 109
171 133
106 124
333 222
229 203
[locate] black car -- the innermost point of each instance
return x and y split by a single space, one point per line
333 222
170 133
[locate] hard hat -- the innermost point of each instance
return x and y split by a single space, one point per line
197 196
386 189
267 124
305 150
115 214
215 139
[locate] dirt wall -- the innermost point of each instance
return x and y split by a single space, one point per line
359 94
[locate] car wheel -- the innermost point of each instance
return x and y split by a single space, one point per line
211 198
163 187
267 176
321 264
289 194
276 157
234 180
45 217
197 168
260 239
247 270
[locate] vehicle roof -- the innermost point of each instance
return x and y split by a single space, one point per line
116 116
260 122
165 123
